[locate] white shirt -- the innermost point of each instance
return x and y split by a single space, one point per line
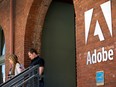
18 69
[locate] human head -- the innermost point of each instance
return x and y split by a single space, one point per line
13 59
32 53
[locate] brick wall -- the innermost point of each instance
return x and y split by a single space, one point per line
28 22
4 22
86 74
28 18
34 26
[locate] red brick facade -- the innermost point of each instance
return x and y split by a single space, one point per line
28 19
86 74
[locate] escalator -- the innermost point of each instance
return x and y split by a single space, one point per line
28 78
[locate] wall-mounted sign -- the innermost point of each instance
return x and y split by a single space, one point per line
93 56
106 9
99 78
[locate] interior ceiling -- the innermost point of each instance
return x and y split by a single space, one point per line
67 1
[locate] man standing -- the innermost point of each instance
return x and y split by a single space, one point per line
36 60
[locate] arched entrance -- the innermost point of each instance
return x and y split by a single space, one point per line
58 45
2 53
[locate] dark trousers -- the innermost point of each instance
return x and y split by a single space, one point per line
41 83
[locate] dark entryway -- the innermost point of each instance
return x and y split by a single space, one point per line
58 46
2 55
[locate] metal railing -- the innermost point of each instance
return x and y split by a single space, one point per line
28 78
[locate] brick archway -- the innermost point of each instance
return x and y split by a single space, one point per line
34 25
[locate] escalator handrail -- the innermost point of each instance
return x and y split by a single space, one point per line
22 74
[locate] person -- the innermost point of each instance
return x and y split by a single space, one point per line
37 60
16 67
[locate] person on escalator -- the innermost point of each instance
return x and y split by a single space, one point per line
37 60
16 66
